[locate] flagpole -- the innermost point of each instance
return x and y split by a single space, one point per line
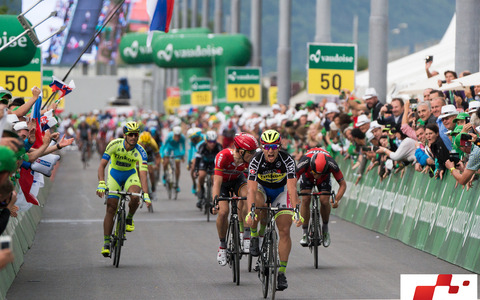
92 39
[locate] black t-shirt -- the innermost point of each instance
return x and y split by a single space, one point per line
272 175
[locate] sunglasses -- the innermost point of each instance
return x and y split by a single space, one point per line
250 151
134 134
212 142
4 101
273 147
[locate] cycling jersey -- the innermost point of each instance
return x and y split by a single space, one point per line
206 157
272 175
123 160
84 129
303 167
193 148
151 148
225 166
170 145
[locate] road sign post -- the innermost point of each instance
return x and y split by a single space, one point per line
201 91
331 68
244 85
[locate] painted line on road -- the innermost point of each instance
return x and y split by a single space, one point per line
87 221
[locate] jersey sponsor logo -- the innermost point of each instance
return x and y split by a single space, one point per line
219 159
123 157
278 164
252 171
123 164
272 177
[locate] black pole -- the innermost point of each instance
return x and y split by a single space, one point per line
92 39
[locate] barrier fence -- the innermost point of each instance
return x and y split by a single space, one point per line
426 213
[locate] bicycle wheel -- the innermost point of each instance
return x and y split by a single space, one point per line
236 252
264 273
208 201
229 241
273 263
249 262
315 235
169 183
120 233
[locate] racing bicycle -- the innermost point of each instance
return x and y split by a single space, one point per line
234 251
314 235
119 220
170 178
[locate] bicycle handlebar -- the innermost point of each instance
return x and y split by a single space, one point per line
319 194
123 193
230 198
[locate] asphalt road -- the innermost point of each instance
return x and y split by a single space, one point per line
172 254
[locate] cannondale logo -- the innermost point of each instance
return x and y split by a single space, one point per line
166 54
131 51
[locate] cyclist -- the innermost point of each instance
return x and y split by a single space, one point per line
270 171
195 135
314 169
153 156
84 134
229 177
125 153
205 161
175 143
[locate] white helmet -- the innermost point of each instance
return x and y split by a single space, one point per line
189 132
177 130
211 135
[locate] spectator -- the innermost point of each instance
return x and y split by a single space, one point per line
424 110
437 148
428 64
445 123
454 97
397 113
473 164
363 123
371 103
426 94
8 197
406 150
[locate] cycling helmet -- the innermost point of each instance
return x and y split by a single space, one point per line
211 136
189 132
245 141
145 137
318 163
177 130
270 137
131 127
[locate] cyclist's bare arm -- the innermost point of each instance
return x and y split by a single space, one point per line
292 193
217 183
144 181
341 191
101 169
252 191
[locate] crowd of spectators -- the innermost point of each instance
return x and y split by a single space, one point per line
20 148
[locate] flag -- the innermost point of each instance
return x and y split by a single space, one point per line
62 87
26 175
160 14
48 120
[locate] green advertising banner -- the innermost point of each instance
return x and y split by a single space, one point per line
22 51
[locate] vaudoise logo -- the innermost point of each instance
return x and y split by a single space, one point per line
438 287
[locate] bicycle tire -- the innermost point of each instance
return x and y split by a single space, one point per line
236 251
315 237
229 249
273 263
208 202
249 262
264 274
120 237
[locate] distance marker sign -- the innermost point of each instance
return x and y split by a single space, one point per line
331 68
243 85
201 91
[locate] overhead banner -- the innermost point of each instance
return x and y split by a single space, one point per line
331 68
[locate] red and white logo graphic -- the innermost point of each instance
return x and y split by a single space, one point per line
438 287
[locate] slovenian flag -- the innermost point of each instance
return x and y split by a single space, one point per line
160 14
61 87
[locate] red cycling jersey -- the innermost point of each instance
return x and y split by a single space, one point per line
303 166
225 166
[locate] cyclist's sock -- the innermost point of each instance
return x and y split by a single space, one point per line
253 232
223 243
240 224
305 229
262 229
106 239
325 227
247 232
130 216
283 267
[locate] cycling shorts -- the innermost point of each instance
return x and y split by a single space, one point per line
168 151
206 166
118 179
232 186
277 197
306 184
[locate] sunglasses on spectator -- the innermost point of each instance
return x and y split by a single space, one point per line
134 134
4 101
273 147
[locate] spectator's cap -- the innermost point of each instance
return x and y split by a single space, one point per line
331 107
347 129
8 159
276 107
20 125
370 93
455 131
362 120
375 125
300 113
369 135
309 104
447 111
473 106
5 94
461 116
227 108
9 131
12 118
420 122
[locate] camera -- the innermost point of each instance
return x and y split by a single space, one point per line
454 157
366 148
465 140
467 120
5 242
389 108
429 58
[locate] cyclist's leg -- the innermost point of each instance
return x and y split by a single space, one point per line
325 209
177 171
202 174
284 222
222 226
191 165
151 173
241 191
260 201
111 209
133 185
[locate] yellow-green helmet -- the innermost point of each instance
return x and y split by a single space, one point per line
270 137
131 127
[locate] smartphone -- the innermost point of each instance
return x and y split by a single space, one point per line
366 148
5 242
429 58
413 101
